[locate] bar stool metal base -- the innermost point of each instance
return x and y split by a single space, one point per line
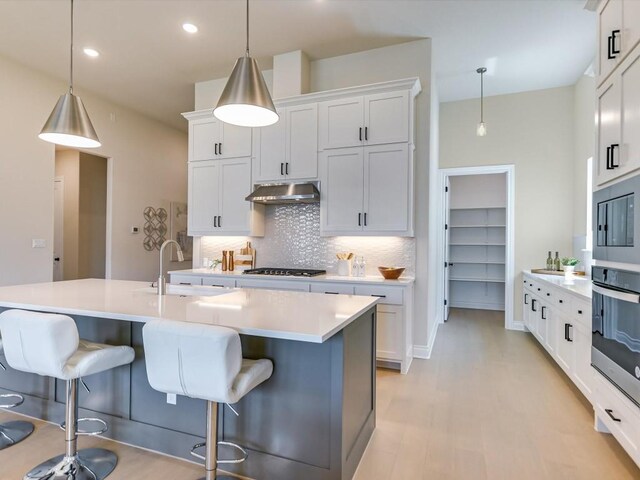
88 464
14 432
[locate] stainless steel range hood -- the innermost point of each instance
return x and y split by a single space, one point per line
285 193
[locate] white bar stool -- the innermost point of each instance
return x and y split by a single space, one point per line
204 362
49 345
12 432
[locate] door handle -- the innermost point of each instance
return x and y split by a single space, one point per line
360 134
610 413
609 167
544 317
219 220
359 219
215 148
220 149
56 259
613 149
614 51
533 305
526 295
281 168
215 221
286 168
567 327
365 219
366 133
331 293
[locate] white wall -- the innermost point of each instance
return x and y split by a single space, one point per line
533 131
469 191
148 168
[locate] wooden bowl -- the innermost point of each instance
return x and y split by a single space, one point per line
391 273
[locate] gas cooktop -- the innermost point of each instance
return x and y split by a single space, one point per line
293 272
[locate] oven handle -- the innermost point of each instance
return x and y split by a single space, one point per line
625 297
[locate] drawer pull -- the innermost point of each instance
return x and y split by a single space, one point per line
219 286
331 293
561 301
185 283
379 296
538 289
579 312
548 294
610 413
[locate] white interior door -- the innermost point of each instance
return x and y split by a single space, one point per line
58 229
446 249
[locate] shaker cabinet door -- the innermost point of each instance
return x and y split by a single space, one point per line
387 189
302 142
386 118
203 197
341 123
235 185
235 141
204 135
608 136
342 191
270 152
609 37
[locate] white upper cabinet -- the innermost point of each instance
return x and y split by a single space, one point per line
211 139
618 33
618 121
288 150
367 191
217 189
368 120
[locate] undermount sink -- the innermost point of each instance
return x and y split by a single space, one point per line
188 290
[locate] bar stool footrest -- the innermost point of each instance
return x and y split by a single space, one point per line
89 433
242 451
19 402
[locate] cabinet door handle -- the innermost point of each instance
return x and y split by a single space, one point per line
365 219
331 293
615 51
360 134
215 148
533 305
379 296
579 312
219 220
286 168
220 149
215 222
613 155
609 167
360 219
610 413
561 301
281 168
526 302
544 317
186 283
567 326
366 133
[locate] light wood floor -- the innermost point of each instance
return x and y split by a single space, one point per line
490 404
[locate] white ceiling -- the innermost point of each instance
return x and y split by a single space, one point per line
150 64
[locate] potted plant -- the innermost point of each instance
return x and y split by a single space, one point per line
569 264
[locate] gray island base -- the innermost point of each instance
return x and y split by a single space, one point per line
311 420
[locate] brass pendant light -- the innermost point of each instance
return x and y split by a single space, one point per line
69 122
245 100
481 131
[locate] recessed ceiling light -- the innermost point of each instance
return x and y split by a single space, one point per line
91 52
189 27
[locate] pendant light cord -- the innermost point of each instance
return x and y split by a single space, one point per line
71 54
247 51
482 97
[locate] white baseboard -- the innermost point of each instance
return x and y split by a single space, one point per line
519 326
424 351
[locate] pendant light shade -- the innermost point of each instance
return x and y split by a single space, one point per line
69 122
481 131
245 100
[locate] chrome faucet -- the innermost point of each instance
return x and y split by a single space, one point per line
162 283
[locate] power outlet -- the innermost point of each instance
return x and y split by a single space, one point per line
172 398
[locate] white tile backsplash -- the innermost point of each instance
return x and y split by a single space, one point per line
292 240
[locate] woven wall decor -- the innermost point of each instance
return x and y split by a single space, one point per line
155 228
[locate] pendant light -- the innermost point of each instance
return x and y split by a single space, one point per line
481 131
69 122
245 100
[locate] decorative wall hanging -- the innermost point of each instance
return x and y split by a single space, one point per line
178 225
155 228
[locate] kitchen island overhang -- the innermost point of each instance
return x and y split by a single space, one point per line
312 419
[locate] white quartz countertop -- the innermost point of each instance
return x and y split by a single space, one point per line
577 285
206 272
308 317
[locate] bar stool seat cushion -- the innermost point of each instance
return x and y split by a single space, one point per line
49 345
200 361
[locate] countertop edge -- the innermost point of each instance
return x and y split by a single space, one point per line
541 277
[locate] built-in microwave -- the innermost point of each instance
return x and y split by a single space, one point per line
614 220
615 337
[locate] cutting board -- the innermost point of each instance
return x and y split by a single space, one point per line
554 272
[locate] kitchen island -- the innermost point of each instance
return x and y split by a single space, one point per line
312 419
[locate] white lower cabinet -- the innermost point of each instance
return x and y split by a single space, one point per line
561 322
395 320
